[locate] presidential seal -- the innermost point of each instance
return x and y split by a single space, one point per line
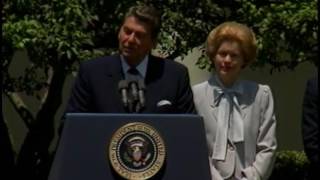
136 151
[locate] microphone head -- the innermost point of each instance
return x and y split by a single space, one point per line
141 84
123 84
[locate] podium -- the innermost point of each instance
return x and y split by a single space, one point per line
85 148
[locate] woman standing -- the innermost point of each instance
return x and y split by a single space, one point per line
238 115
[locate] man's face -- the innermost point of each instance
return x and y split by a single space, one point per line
135 40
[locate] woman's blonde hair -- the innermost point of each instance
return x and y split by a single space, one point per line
233 31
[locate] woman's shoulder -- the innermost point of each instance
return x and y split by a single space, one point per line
255 85
200 85
254 89
199 90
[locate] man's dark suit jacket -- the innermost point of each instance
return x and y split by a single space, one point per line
311 127
96 87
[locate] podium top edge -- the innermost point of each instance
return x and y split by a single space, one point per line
129 115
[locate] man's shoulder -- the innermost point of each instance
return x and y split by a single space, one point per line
104 60
312 86
313 81
100 63
200 86
255 86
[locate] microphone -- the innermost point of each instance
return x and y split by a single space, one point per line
134 90
122 87
142 89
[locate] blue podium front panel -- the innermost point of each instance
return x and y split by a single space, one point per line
84 146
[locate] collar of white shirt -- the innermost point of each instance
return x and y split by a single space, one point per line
141 67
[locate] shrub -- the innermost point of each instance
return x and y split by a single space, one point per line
291 165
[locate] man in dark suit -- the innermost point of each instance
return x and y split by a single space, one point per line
311 127
167 88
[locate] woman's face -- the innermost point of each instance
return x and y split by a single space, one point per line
228 62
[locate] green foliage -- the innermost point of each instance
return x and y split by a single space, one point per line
186 25
54 34
286 31
19 35
291 165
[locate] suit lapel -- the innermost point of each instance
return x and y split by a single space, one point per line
155 69
113 75
115 69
